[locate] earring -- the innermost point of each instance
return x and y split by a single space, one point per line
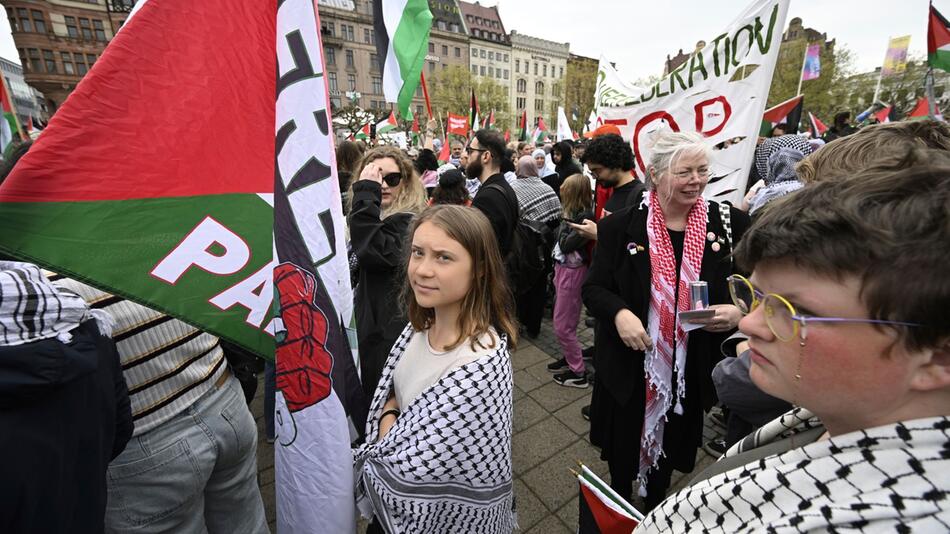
801 356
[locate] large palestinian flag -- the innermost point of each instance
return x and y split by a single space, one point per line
938 40
788 113
204 187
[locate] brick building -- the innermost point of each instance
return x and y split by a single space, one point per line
58 41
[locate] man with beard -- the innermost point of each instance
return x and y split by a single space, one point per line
610 160
495 198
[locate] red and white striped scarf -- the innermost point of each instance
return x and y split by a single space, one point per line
664 328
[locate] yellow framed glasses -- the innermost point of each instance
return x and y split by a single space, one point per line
780 315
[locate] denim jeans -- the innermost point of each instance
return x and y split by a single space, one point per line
195 473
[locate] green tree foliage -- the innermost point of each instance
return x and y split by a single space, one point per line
824 96
580 83
451 92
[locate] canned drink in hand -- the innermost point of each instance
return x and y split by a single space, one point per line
699 295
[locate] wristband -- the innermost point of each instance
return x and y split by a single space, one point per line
393 411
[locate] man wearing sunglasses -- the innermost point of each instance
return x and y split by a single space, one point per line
846 313
495 197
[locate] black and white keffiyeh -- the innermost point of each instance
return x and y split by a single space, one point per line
32 309
893 478
445 465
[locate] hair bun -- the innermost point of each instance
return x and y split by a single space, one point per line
451 178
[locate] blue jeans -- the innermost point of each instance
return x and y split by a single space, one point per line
195 473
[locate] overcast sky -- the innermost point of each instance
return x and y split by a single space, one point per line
639 34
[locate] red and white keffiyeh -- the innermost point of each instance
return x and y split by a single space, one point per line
669 337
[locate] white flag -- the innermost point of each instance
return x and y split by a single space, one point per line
563 127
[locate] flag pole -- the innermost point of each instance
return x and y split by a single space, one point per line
425 92
801 74
877 90
931 102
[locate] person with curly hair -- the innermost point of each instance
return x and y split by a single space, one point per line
610 160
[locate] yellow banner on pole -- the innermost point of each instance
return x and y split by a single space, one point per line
895 61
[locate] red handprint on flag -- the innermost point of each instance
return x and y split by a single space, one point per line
303 363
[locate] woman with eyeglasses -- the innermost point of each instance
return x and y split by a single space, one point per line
653 375
847 316
384 200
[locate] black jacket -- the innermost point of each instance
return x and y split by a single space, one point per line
569 240
501 208
379 247
64 414
618 280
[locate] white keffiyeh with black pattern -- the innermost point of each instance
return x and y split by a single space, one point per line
893 478
445 465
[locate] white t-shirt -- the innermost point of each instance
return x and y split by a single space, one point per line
421 365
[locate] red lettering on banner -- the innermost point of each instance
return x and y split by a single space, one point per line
643 122
699 110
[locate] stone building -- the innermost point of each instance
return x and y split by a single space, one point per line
58 41
538 67
28 101
349 49
448 44
490 48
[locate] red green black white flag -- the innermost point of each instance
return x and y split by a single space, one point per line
788 113
938 40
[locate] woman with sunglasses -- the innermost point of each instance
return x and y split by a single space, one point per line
386 197
653 377
847 318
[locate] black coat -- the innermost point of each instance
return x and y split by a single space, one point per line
379 247
500 205
64 414
618 280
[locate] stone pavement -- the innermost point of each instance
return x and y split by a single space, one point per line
550 436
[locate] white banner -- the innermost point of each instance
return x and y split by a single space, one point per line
720 91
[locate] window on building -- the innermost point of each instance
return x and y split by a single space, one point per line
374 63
431 47
475 70
556 90
539 88
527 66
85 28
538 105
481 70
14 23
377 85
80 65
331 55
38 21
474 52
458 52
91 59
440 24
431 67
535 69
445 50
506 58
71 29
50 60
26 24
350 62
23 60
335 102
351 82
522 86
99 29
481 53
517 66
506 74
67 63
368 36
544 70
350 33
491 55
520 102
418 111
453 27
36 63
491 71
331 28
331 76
562 72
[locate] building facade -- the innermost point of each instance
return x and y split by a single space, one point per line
490 48
539 67
448 44
28 101
349 49
58 41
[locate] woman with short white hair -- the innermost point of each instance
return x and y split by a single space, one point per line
653 374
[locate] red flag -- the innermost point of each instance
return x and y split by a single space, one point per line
507 135
415 124
458 125
922 109
524 126
884 115
541 126
818 128
445 153
611 518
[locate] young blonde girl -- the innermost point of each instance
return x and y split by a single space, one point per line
438 435
572 257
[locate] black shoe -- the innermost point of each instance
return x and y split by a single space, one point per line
571 379
585 412
718 419
716 447
558 366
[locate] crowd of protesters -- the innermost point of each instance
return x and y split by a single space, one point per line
824 347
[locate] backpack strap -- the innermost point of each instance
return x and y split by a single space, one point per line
501 190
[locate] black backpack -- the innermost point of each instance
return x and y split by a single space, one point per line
531 245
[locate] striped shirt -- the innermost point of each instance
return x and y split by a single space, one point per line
167 364
536 200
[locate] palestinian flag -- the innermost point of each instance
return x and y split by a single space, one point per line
922 109
229 220
540 130
446 153
490 121
818 128
523 124
9 126
612 513
387 125
473 119
363 133
788 112
415 130
402 41
938 41
884 115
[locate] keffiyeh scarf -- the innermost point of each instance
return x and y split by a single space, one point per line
669 337
892 478
445 465
32 309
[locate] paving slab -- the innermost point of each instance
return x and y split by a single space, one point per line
550 525
543 440
552 480
527 413
529 507
553 396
